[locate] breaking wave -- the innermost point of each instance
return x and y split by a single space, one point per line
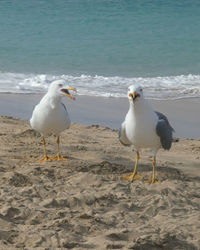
169 87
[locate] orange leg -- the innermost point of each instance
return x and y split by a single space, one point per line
58 156
45 158
153 179
134 175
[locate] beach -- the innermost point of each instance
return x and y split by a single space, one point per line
101 48
84 202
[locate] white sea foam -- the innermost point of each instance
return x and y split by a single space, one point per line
170 87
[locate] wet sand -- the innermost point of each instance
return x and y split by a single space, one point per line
184 114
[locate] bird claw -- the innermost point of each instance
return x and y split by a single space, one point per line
58 158
132 177
152 181
45 158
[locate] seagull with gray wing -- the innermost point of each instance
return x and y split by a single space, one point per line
144 128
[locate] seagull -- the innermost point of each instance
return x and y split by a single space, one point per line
50 115
144 128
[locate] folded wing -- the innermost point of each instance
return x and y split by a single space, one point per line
122 135
164 131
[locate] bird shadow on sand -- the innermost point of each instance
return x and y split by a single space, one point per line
107 168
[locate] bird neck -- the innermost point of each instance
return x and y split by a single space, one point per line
54 100
139 106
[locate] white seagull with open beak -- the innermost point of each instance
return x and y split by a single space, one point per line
50 116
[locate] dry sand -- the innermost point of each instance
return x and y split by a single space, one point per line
84 203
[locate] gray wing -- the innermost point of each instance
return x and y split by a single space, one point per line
64 106
122 136
164 130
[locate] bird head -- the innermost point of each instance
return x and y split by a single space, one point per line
135 93
59 88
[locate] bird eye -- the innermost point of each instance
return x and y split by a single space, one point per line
60 85
140 90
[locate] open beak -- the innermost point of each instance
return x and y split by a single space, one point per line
66 91
134 96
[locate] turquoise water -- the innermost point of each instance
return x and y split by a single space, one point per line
101 46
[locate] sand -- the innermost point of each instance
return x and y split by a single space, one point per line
84 203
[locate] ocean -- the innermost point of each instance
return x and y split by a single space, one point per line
101 46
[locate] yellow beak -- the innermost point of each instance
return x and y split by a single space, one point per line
134 96
66 91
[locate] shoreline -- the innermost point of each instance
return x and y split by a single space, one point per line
183 114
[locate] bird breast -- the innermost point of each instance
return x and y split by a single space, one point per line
48 120
141 129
